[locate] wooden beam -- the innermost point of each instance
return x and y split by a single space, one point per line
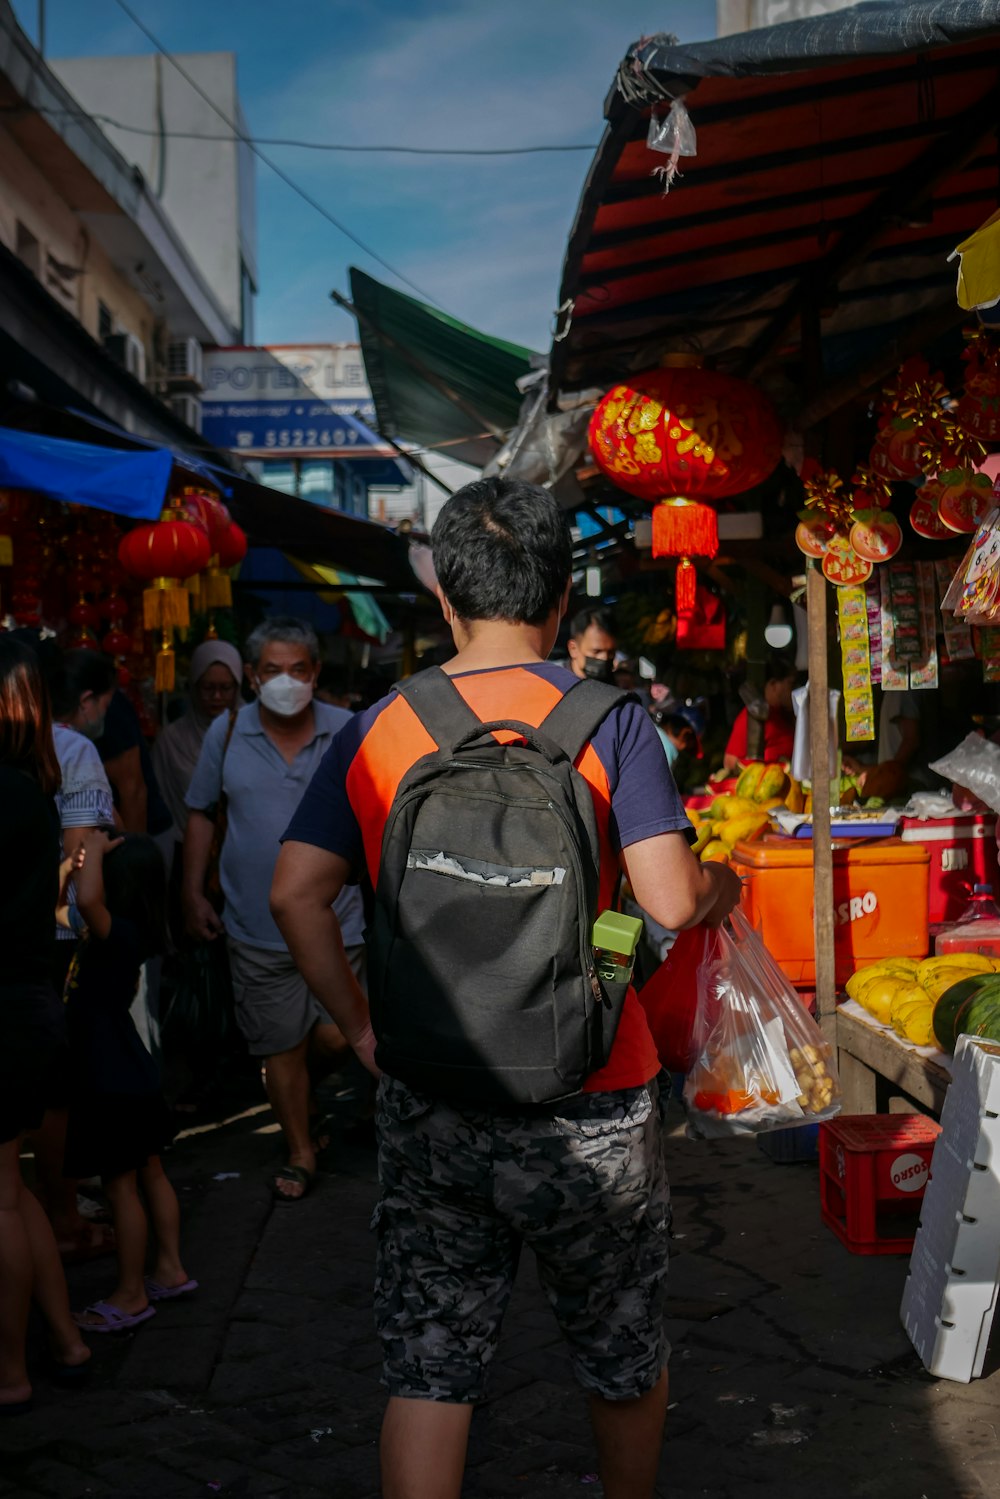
946 155
822 843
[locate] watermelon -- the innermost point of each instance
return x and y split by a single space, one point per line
949 1011
982 1015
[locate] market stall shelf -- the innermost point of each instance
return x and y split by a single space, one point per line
877 1067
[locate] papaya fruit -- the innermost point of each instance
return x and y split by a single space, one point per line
795 800
742 829
706 832
715 852
759 782
730 805
749 779
918 1026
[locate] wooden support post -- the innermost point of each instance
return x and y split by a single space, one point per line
819 754
756 669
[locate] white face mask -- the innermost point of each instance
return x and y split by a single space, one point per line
284 695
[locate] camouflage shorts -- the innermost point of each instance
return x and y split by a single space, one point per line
462 1190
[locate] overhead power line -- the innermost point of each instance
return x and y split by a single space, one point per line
289 181
277 140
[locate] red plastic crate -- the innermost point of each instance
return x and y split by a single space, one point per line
873 1171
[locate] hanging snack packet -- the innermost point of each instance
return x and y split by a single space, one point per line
762 1062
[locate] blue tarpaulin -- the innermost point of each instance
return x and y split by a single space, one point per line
77 473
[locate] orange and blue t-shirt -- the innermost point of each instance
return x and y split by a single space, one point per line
346 805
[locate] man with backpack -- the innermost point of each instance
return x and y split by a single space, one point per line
493 804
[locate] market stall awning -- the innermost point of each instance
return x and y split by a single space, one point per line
839 161
269 517
979 267
78 473
436 382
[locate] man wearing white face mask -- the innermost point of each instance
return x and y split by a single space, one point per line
261 764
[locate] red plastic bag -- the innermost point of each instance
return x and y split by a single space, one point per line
670 996
760 1060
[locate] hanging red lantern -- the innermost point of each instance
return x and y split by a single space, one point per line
116 643
208 511
216 584
83 615
115 608
162 555
678 435
684 529
685 431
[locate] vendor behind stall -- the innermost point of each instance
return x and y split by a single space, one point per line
886 769
779 726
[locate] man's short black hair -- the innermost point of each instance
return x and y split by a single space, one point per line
502 551
582 621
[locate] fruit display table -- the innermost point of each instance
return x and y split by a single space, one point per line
876 1065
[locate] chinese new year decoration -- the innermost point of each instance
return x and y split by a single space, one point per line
978 409
678 436
163 555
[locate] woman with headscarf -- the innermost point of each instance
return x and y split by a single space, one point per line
214 685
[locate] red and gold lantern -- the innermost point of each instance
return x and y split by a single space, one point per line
216 584
163 555
678 436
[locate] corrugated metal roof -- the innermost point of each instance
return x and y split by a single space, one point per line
839 161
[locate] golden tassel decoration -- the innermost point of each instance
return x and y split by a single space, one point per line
217 588
195 587
165 605
165 660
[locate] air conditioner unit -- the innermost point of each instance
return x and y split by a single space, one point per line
184 363
188 409
128 351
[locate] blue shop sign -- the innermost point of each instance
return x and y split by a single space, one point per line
296 426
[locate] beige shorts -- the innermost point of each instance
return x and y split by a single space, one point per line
275 1008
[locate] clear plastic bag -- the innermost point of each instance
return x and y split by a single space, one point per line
762 1062
974 764
674 135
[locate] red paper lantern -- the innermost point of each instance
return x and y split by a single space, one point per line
685 431
681 434
115 608
216 588
116 643
208 511
162 555
83 615
232 546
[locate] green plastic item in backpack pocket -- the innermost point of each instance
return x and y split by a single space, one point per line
614 938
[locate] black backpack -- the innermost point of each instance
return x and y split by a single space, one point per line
482 979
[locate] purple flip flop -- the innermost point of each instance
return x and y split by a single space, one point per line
115 1320
156 1292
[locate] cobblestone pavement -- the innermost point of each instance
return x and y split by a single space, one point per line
791 1375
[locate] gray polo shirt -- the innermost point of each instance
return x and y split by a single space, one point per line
263 792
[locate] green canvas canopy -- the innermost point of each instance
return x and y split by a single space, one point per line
436 382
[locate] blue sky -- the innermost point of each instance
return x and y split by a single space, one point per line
484 237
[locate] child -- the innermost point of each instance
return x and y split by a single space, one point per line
118 1120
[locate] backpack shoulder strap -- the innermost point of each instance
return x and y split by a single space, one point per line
439 705
580 712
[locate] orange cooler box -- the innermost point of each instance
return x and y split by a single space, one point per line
879 892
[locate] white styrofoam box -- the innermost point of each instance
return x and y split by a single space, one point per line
952 1287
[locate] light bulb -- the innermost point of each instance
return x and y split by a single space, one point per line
778 632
